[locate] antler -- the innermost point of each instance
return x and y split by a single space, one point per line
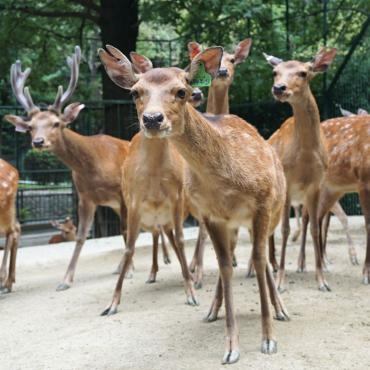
74 64
22 94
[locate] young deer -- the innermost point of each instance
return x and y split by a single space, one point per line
153 187
95 161
301 147
217 103
68 231
348 142
233 175
8 224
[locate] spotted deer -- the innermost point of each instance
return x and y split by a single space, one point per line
8 224
68 231
336 209
300 144
233 174
95 161
217 103
348 143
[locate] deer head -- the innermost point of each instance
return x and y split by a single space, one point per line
142 64
229 61
161 94
67 227
291 79
45 126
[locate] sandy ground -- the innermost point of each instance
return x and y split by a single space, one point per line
154 329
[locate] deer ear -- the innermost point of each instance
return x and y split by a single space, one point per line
273 61
323 59
193 48
118 67
211 58
242 50
71 112
141 63
18 122
55 224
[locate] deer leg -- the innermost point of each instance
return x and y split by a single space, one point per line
250 268
297 217
166 255
191 298
154 269
196 265
312 208
260 232
364 193
13 241
220 238
272 254
133 222
233 241
302 252
324 236
285 231
86 211
3 268
281 312
339 212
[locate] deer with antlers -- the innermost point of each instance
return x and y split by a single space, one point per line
217 103
8 224
95 161
67 229
233 175
300 145
348 143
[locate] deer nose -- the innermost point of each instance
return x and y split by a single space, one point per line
153 120
222 72
278 89
197 95
38 142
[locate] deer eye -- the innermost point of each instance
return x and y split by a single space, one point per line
56 124
232 60
274 73
302 74
181 93
134 94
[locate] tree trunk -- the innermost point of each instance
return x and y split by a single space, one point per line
119 25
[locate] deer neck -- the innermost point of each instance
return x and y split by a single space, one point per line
200 144
72 151
218 99
307 121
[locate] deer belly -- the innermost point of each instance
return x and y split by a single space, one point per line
155 214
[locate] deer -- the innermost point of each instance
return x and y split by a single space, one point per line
8 224
348 141
300 145
217 103
153 187
234 176
68 231
95 160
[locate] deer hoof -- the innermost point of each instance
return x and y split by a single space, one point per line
282 316
269 346
62 286
250 274
301 269
109 311
281 289
4 290
354 261
235 262
198 285
150 280
166 260
192 301
230 357
324 287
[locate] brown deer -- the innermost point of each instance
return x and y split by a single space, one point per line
153 187
301 147
8 224
95 161
348 143
68 231
233 175
217 103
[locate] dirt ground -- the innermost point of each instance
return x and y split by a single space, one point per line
154 329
